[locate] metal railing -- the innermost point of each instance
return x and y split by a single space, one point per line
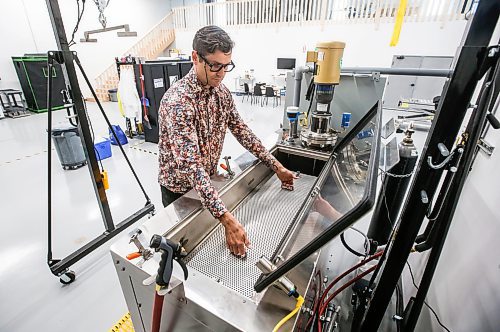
248 12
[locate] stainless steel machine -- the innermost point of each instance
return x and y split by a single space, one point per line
294 232
219 293
290 231
322 122
327 59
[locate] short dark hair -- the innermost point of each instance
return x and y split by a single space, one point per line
211 38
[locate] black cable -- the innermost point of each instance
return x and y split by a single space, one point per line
398 304
312 99
428 306
79 18
382 259
352 251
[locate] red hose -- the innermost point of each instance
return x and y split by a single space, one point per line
157 309
316 297
347 284
363 262
143 101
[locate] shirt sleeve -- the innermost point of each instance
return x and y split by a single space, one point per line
248 140
179 124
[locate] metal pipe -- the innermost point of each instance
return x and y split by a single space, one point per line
398 71
284 283
333 322
49 159
298 74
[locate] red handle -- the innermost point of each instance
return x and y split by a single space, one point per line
133 255
224 167
143 101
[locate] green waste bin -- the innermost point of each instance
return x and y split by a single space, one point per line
32 73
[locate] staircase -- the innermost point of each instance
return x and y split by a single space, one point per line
149 47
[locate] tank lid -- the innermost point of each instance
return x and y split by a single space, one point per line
330 44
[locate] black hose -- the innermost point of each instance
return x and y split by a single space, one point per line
310 92
352 251
399 304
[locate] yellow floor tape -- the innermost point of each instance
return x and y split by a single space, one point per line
123 325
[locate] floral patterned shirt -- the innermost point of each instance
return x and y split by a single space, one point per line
193 121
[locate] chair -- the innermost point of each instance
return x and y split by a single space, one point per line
270 94
257 93
246 92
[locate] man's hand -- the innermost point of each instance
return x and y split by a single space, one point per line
286 176
236 237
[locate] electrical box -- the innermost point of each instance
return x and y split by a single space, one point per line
414 87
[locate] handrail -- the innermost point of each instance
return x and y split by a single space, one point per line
249 12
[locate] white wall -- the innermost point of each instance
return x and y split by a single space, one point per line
258 47
465 290
17 39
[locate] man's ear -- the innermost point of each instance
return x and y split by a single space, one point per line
194 56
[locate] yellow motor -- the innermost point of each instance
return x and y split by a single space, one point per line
328 59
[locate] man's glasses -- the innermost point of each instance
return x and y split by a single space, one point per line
216 67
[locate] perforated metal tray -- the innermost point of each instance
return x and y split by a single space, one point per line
266 215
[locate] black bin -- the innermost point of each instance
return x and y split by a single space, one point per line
69 147
32 73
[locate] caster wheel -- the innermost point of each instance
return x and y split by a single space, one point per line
65 168
67 278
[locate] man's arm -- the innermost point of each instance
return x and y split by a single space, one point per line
252 143
178 122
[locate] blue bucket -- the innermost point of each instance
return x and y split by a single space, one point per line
122 138
103 149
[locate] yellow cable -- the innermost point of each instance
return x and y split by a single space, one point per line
399 22
300 301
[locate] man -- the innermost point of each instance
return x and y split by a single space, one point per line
193 117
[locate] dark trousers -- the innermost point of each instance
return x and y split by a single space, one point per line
168 197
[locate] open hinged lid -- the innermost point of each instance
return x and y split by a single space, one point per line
343 192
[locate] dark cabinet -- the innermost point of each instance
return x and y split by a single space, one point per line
158 77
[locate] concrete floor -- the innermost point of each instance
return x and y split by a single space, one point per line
32 298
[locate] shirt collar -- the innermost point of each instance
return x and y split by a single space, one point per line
196 85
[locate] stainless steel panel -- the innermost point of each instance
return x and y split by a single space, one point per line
355 94
201 303
412 86
429 87
266 215
201 223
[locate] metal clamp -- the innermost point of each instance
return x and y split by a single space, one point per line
485 146
445 153
227 167
145 253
